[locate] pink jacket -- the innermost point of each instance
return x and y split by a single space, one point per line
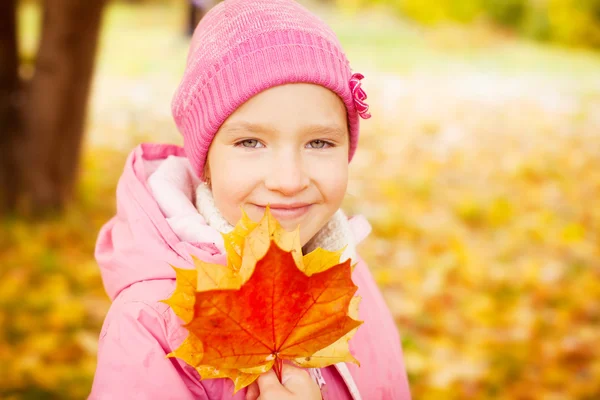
135 250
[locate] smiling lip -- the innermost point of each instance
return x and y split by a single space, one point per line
287 211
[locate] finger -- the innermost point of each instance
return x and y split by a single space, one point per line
268 382
295 379
252 392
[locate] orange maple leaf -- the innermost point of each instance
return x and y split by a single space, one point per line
267 305
279 314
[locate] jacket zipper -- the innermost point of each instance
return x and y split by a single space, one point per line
319 377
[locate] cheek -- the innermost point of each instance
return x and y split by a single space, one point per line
332 181
230 185
336 191
227 197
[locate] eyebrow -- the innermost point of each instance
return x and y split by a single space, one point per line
332 130
270 130
248 127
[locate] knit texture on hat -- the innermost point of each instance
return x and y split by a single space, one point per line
243 47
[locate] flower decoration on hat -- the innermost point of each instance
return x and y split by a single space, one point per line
359 96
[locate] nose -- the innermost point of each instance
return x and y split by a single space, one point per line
287 175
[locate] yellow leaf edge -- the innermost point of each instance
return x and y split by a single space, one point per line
190 351
338 351
183 297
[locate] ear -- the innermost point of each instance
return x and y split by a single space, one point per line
206 168
206 174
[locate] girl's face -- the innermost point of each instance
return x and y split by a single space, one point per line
287 147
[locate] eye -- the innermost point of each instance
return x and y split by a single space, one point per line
319 144
249 143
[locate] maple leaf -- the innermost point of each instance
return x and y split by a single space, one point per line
267 305
280 313
183 298
234 241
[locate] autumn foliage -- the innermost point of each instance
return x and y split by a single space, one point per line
268 304
479 174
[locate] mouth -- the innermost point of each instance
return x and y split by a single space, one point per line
286 212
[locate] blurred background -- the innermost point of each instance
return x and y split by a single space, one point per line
480 173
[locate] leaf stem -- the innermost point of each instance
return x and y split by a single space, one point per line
278 366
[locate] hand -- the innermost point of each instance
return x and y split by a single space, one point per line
297 385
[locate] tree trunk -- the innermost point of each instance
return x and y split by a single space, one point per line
195 14
55 104
197 9
9 92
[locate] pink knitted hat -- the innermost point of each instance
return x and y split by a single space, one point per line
242 47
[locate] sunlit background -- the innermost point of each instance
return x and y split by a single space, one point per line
479 172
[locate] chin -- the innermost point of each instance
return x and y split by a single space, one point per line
290 226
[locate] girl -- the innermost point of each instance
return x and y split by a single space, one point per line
269 110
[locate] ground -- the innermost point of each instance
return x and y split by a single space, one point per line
479 172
